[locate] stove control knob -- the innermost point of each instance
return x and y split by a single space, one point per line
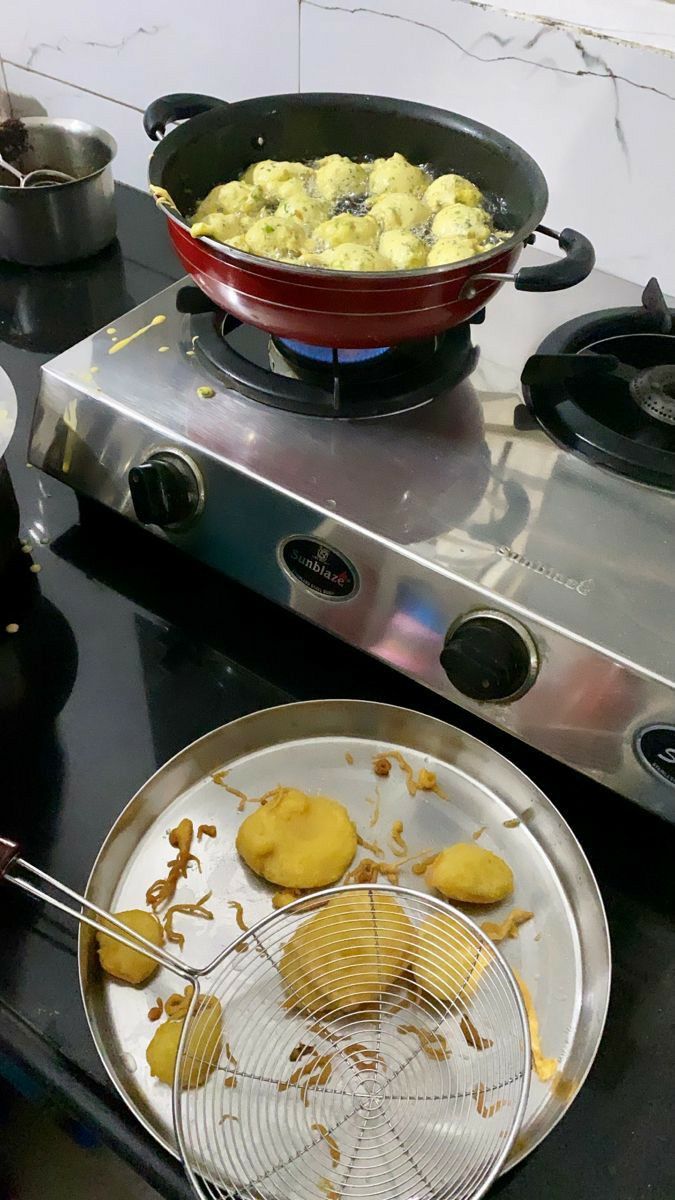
166 490
488 656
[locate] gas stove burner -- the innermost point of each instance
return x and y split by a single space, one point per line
301 351
654 391
603 385
323 382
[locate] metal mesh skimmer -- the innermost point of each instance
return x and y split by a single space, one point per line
345 1073
365 1043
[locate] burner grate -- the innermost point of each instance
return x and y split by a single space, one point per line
322 381
653 391
603 385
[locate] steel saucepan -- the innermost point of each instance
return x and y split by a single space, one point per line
217 141
59 222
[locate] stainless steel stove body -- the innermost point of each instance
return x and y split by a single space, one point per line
553 576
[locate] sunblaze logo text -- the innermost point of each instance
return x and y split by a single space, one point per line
320 568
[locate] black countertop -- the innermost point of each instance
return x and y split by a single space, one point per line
126 652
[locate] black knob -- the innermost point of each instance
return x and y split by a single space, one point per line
164 490
486 658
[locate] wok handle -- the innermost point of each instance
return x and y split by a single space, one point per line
565 272
178 106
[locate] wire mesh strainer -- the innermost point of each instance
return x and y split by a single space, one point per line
364 1042
39 177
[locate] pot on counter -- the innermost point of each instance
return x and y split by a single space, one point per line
59 222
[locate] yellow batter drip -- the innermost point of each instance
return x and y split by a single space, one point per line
508 928
545 1068
132 337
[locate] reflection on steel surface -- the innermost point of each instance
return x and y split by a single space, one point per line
447 508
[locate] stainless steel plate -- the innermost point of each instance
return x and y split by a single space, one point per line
563 953
7 410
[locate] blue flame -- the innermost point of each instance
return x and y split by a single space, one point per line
324 354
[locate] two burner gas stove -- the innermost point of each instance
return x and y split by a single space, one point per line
508 545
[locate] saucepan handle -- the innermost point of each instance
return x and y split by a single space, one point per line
8 852
577 264
179 106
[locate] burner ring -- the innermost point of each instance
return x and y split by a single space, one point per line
398 379
581 388
653 391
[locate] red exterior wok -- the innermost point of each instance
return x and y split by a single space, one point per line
343 308
334 308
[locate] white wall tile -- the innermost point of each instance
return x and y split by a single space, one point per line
33 94
135 50
595 114
4 93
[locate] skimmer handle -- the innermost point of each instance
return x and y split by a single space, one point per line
19 872
11 170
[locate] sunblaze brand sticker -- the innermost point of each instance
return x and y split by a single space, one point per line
319 568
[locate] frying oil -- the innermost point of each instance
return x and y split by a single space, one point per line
358 205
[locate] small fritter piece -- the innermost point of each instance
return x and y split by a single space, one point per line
275 236
238 242
403 249
452 189
269 176
396 174
399 210
433 1044
222 227
293 187
157 1009
299 206
284 897
448 961
131 966
337 177
400 846
196 909
451 250
357 231
203 1050
458 220
177 1003
420 868
163 889
369 871
298 841
471 874
348 953
233 197
508 928
354 258
426 780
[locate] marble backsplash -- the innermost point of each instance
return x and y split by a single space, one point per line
596 111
